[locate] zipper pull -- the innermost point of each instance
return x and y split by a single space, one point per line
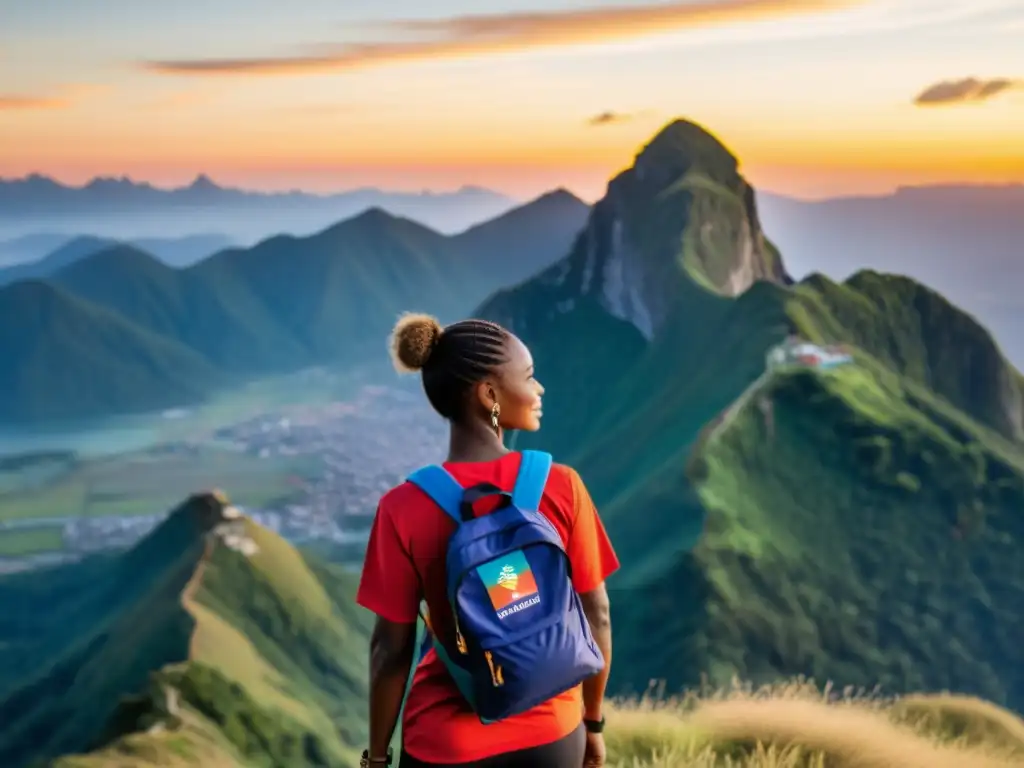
460 641
497 679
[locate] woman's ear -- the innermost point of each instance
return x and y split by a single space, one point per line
486 394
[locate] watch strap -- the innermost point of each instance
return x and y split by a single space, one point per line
368 762
594 726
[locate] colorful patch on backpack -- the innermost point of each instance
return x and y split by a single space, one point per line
510 583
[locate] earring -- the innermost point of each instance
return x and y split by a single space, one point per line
495 412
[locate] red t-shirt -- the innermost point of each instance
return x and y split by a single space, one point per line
405 563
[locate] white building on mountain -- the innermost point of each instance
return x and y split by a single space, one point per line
794 351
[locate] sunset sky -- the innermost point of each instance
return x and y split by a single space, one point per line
816 97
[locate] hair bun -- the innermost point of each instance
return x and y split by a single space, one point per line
413 340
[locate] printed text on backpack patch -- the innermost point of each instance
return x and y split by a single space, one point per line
510 583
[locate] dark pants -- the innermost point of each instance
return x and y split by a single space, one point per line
564 753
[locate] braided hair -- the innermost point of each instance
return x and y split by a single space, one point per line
451 360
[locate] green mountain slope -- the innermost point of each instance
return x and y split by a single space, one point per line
212 641
217 317
284 304
527 239
915 331
65 254
879 530
64 357
763 521
333 291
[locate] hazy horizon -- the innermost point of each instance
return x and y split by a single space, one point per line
271 189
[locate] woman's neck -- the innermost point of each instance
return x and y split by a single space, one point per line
475 441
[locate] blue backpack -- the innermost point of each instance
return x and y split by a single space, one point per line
521 636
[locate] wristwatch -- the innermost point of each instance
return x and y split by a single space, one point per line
368 762
594 726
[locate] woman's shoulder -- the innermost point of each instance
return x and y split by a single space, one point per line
561 488
564 471
566 474
401 495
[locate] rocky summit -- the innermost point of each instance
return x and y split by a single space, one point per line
681 215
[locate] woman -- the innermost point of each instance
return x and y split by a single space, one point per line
479 377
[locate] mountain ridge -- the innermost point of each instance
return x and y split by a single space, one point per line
192 652
960 241
39 256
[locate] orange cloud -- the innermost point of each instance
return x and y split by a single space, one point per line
14 102
969 89
66 96
475 35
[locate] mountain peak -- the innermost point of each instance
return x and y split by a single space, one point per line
558 195
681 146
109 182
104 258
680 224
374 213
556 202
208 509
373 220
202 182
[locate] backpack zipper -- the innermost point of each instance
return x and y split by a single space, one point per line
497 679
460 641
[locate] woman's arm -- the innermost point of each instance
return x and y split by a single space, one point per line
593 561
597 607
392 646
389 587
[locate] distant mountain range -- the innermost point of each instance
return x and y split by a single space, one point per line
859 525
122 208
922 232
129 333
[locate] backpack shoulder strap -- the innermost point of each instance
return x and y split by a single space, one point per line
533 476
439 485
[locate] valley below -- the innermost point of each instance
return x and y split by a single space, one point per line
307 456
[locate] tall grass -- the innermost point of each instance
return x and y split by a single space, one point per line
798 725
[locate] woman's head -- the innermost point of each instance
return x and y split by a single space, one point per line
469 367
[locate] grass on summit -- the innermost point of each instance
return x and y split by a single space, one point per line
797 725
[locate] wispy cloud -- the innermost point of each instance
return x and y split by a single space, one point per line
610 118
66 96
969 89
476 35
24 103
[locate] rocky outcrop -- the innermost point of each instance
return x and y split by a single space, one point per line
219 519
682 216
